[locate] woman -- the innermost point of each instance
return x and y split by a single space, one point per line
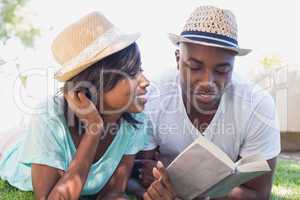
85 141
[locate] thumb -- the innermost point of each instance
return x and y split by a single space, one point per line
156 173
162 170
164 177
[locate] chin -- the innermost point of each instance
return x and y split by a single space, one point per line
136 109
206 108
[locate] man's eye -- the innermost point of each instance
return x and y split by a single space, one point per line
223 71
195 68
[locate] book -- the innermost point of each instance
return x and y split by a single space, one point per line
204 170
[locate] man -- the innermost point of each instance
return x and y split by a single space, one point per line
204 97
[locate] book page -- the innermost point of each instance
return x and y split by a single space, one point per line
232 181
250 159
242 174
196 170
216 151
254 166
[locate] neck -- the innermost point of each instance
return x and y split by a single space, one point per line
199 119
111 119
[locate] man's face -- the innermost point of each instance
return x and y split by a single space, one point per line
204 74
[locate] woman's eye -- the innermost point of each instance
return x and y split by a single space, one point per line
194 69
136 75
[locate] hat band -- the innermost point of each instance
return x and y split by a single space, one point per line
210 38
94 48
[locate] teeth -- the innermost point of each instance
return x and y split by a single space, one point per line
207 94
142 96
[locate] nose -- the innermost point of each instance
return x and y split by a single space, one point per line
207 77
143 81
206 81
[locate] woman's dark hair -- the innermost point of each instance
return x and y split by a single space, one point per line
103 76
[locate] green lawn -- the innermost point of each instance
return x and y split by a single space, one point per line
286 184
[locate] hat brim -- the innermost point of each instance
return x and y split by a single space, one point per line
176 39
120 42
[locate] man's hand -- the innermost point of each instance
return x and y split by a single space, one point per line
161 188
146 172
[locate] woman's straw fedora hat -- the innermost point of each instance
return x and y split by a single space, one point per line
87 41
211 26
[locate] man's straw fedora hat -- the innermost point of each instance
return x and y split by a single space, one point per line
211 26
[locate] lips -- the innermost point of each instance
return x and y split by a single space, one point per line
142 97
205 97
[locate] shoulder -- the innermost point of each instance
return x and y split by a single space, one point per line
49 118
246 95
245 101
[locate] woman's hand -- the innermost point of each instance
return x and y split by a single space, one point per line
84 109
69 184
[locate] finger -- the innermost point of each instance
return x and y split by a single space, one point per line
72 97
156 173
147 181
148 166
148 177
146 196
162 171
164 193
165 177
146 173
83 98
153 193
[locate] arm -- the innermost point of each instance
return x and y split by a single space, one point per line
258 188
263 137
137 186
44 179
115 188
51 183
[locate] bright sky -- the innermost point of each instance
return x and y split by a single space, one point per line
268 27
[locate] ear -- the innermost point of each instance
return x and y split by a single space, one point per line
177 57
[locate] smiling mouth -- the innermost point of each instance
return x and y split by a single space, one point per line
142 98
205 97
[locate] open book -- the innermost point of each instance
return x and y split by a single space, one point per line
202 169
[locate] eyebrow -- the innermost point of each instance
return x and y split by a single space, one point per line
196 61
225 64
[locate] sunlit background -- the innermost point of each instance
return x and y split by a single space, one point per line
270 28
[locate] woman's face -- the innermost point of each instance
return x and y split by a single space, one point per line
128 95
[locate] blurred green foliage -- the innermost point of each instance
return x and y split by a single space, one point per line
15 22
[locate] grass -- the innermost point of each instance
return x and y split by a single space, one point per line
286 185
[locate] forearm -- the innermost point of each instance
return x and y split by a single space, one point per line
113 196
71 183
135 188
243 192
